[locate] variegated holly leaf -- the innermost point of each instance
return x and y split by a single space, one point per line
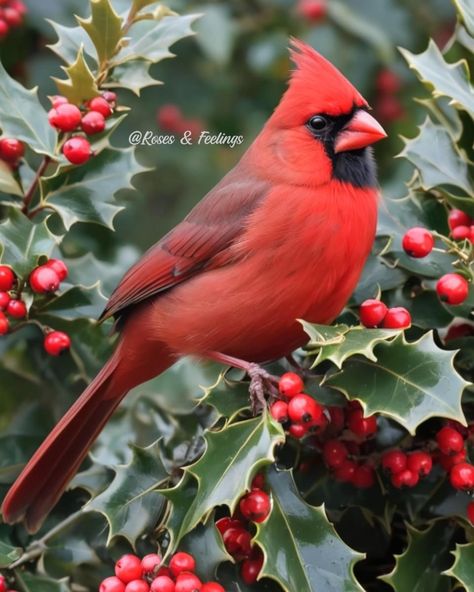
466 10
80 85
104 27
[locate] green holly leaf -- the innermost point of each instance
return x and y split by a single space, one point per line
225 470
420 566
466 11
446 80
86 194
70 41
104 27
23 117
35 583
77 302
80 85
205 544
8 183
409 382
132 504
313 557
463 567
133 75
228 398
8 552
23 242
355 340
93 480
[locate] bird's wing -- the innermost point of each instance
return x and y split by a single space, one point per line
200 241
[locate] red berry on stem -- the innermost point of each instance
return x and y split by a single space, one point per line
387 82
4 324
346 471
162 584
19 6
279 411
11 149
182 562
448 461
418 242
258 482
7 278
313 10
100 105
470 512
212 587
449 440
17 309
56 343
223 524
458 218
461 232
12 17
4 28
298 430
238 542
304 409
137 586
363 477
169 118
93 123
361 426
420 462
405 478
43 280
4 300
334 453
65 117
57 100
290 384
3 584
109 96
394 461
397 318
128 568
112 584
77 150
452 288
150 562
462 476
372 312
255 506
389 108
188 582
59 267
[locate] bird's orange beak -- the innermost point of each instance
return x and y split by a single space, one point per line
361 131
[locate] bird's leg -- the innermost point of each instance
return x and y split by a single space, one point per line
261 381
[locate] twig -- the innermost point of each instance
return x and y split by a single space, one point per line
32 190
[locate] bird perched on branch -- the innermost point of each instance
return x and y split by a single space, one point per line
283 236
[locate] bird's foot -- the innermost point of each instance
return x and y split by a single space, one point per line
261 383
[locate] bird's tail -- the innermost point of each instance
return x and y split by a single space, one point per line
47 474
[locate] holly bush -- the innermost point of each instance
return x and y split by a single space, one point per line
362 483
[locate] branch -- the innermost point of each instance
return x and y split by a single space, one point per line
32 190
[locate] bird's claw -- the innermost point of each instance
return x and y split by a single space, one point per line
261 383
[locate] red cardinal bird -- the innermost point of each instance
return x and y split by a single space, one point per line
283 236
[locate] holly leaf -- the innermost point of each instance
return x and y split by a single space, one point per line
77 302
419 567
313 557
80 85
85 194
8 183
448 80
8 552
133 75
225 470
23 117
463 569
23 242
466 11
409 382
437 159
70 41
34 583
104 27
131 504
228 398
205 544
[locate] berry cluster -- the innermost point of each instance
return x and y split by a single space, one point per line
405 469
11 151
387 105
66 118
254 507
11 16
374 313
171 119
452 288
313 10
4 585
148 574
461 225
44 279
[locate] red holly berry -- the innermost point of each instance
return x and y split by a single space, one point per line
162 584
227 522
452 288
17 309
279 411
346 471
470 512
188 582
461 232
169 118
334 453
65 117
420 462
93 123
372 312
405 478
238 542
7 278
337 419
258 482
57 100
4 28
458 218
290 384
3 584
4 300
298 430
462 476
4 324
255 506
112 584
212 587
389 109
394 461
250 569
182 562
397 318
11 150
19 6
387 82
361 426
449 440
313 10
150 562
418 242
304 409
56 343
363 477
77 150
109 96
59 267
448 461
128 568
100 105
137 586
12 17
43 280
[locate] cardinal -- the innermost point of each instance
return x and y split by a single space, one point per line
283 236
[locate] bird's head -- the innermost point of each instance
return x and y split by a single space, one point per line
321 130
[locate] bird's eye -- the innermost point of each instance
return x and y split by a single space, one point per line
318 123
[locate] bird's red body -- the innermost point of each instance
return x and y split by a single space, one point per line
282 237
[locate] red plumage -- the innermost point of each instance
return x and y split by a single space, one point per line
283 236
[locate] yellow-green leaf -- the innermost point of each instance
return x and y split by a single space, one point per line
80 85
104 27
